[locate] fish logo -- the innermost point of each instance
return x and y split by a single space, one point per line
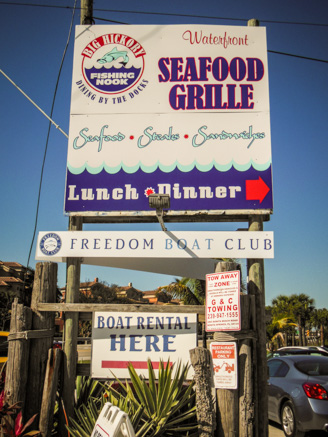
113 63
113 56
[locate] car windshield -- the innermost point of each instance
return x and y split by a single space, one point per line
317 368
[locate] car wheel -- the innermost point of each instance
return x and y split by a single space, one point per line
288 421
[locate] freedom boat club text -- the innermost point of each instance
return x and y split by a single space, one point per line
147 245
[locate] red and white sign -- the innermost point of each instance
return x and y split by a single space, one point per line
224 357
112 422
223 301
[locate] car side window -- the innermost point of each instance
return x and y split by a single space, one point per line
277 369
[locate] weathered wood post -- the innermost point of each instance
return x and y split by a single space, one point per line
201 361
236 413
246 348
44 291
227 400
49 392
18 354
256 287
70 331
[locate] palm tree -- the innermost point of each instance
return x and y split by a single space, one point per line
282 325
280 322
302 306
298 308
283 318
190 291
281 306
319 319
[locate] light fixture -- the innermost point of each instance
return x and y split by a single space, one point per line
159 202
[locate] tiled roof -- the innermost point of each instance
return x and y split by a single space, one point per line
10 279
150 293
11 264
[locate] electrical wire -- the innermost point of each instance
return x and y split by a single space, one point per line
111 21
119 22
208 17
269 51
33 103
302 23
298 56
181 15
48 134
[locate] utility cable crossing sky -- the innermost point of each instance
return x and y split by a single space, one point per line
33 103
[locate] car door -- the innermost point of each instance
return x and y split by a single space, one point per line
278 369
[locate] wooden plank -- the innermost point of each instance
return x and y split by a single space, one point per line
26 335
44 290
85 307
171 216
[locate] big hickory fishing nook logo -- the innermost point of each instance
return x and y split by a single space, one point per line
50 244
113 63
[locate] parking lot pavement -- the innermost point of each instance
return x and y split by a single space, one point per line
275 430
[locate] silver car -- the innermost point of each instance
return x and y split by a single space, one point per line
298 393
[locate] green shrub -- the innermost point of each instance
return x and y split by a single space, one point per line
165 406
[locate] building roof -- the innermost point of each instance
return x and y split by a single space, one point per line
10 279
83 285
125 291
11 264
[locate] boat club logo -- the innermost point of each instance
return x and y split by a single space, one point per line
113 63
50 244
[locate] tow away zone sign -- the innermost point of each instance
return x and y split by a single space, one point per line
223 301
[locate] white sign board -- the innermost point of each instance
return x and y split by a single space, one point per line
163 69
55 246
119 339
189 254
225 368
222 312
180 110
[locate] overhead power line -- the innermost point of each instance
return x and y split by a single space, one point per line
49 129
209 17
298 56
179 15
33 103
169 14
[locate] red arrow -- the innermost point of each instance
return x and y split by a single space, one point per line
256 190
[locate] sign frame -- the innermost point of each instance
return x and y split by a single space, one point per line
254 40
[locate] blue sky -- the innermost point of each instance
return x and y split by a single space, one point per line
32 43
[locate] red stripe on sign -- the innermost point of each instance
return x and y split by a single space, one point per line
124 364
98 426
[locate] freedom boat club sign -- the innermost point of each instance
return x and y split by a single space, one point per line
182 253
180 110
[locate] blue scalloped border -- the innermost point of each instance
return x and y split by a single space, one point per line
169 168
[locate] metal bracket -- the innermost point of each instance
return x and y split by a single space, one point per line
159 202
